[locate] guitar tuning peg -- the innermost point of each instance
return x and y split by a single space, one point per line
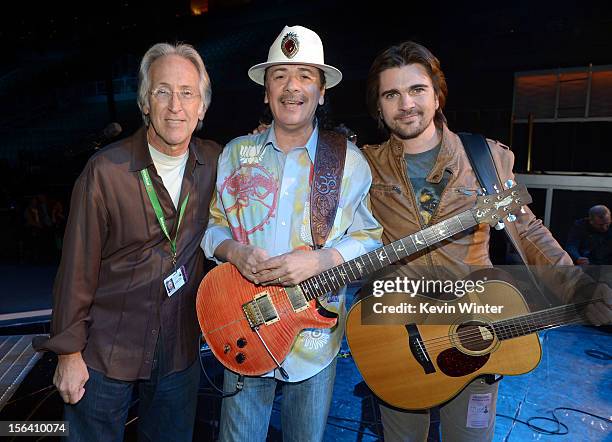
511 218
495 187
509 184
500 226
523 211
480 192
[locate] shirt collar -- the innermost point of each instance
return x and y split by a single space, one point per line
141 157
269 139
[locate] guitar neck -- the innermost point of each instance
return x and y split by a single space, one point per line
364 265
541 320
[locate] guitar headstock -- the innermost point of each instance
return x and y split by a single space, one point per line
493 209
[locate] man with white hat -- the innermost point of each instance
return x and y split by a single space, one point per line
263 214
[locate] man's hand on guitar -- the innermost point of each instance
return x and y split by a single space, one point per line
244 257
294 267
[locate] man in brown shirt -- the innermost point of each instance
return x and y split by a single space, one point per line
124 296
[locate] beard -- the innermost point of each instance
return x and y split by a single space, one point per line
408 131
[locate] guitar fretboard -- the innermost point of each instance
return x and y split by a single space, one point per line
364 265
541 320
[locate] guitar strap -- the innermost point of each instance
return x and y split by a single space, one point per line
483 165
326 185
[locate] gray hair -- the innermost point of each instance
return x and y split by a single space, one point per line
160 50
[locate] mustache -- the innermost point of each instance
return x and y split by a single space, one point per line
292 96
403 114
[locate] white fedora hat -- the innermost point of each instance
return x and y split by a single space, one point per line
297 45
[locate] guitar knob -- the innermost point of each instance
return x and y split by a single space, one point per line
500 226
523 211
241 343
511 218
240 358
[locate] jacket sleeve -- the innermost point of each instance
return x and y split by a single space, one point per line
538 244
77 278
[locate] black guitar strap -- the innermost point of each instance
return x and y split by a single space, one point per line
481 160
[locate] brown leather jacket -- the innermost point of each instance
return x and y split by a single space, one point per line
394 206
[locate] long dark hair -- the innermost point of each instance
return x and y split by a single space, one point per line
400 55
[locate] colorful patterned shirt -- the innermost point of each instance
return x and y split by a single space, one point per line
262 198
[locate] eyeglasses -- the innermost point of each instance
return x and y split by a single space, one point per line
164 95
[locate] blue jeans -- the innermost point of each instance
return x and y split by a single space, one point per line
304 407
166 407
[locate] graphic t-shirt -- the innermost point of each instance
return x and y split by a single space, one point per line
427 194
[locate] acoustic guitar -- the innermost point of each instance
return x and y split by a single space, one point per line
422 363
251 329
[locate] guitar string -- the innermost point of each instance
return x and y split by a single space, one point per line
468 338
451 343
550 317
518 328
511 324
444 346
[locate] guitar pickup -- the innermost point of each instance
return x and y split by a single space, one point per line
260 310
296 298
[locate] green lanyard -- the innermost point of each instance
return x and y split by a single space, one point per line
160 214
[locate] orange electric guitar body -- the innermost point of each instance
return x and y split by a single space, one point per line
228 305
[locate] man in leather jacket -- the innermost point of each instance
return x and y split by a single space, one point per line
421 175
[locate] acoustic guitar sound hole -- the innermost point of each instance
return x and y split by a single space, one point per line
475 336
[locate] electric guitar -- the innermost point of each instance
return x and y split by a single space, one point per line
415 367
251 329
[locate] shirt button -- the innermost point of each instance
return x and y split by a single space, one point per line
283 223
153 332
286 193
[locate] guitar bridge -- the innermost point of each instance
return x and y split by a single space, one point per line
260 310
418 349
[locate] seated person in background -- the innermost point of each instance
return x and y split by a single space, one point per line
589 242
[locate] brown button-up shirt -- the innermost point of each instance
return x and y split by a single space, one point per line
109 299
